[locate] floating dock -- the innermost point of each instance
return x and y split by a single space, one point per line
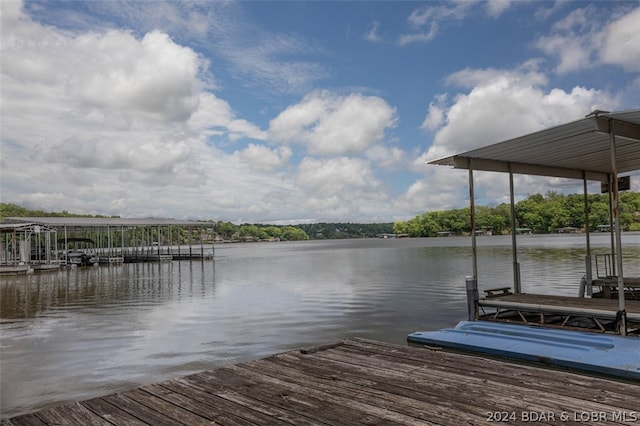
357 381
598 353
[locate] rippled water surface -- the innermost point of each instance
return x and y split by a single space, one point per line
85 332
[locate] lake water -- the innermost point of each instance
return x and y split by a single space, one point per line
85 332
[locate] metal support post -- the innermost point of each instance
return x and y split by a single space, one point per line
618 238
472 210
517 289
587 259
472 298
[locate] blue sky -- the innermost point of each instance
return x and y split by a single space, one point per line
291 112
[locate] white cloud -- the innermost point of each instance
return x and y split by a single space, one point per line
259 61
428 14
255 56
418 37
499 105
373 33
524 74
342 187
435 116
260 157
328 124
426 21
572 41
114 124
543 12
505 104
439 189
496 8
84 89
385 157
215 116
622 42
108 151
129 125
151 76
331 176
581 40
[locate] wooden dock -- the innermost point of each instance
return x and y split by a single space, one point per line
359 381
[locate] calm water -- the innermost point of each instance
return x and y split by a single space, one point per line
86 332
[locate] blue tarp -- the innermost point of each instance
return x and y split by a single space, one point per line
600 353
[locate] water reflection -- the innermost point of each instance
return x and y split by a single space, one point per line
100 287
85 332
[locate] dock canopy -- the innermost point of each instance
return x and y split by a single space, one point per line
597 147
568 150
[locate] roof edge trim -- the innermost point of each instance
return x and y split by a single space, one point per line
482 164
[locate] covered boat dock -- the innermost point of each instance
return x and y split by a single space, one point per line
27 247
552 329
601 147
30 243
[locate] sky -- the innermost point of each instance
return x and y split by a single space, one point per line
293 112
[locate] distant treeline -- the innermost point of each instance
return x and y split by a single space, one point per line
314 231
537 213
228 231
14 210
540 214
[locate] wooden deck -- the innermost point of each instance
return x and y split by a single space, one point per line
608 287
358 381
585 313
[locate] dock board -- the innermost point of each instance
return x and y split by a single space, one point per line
359 381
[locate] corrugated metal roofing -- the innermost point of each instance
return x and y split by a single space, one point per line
102 221
11 227
567 150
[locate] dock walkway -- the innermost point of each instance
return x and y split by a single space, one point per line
359 381
561 311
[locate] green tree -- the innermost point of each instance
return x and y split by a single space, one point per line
487 217
292 233
226 230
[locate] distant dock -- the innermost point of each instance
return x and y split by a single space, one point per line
36 244
357 381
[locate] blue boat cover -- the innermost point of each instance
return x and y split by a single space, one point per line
600 353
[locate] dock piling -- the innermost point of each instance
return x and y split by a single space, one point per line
472 297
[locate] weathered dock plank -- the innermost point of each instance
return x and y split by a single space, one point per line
174 413
27 420
465 398
215 410
514 387
245 404
111 413
342 407
538 378
391 398
359 381
72 413
245 408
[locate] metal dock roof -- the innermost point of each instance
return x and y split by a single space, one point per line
567 150
103 221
